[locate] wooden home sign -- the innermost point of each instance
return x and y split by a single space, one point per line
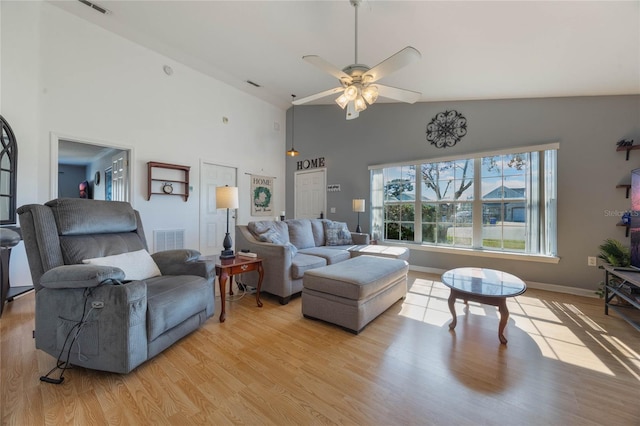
310 164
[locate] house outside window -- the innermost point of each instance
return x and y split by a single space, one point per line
499 201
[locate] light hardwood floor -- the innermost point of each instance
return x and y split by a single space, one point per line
566 363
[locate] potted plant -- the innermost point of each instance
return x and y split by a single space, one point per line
615 254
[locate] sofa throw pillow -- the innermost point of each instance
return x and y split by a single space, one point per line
337 233
136 265
271 236
300 233
292 249
276 231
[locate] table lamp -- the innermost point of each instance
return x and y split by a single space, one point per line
227 198
358 206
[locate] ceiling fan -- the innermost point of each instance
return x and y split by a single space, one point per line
356 80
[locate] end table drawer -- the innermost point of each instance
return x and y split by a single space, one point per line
247 267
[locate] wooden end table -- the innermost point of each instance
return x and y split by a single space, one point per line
483 285
226 268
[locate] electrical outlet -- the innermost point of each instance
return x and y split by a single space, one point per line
333 209
591 261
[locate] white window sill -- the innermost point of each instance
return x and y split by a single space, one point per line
477 252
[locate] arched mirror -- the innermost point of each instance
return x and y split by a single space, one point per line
8 174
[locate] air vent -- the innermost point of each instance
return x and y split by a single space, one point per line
95 7
253 84
168 239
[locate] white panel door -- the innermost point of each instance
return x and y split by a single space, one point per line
213 221
119 176
310 193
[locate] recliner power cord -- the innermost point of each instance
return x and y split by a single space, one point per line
78 328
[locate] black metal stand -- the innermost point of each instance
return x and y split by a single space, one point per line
8 292
358 229
227 253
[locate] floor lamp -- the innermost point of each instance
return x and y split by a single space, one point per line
358 206
227 198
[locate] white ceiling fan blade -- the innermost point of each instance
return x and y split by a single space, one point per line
318 96
328 67
402 95
393 63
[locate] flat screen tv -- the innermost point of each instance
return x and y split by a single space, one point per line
634 227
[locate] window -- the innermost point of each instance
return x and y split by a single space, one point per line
8 173
500 201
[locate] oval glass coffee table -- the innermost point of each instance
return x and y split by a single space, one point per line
483 285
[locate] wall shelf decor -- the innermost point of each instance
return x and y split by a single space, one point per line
446 129
628 187
627 149
167 179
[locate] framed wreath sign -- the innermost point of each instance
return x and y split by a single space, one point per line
261 195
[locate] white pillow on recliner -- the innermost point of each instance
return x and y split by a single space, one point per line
137 265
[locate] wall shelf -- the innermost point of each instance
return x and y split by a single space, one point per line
626 225
165 174
627 148
627 187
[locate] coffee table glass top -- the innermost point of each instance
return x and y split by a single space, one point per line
484 282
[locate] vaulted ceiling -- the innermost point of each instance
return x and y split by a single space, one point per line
470 50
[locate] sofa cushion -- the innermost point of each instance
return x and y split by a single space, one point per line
337 233
305 262
76 248
300 233
270 231
136 265
380 251
173 299
317 226
331 255
106 216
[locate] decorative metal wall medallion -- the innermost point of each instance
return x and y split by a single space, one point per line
446 129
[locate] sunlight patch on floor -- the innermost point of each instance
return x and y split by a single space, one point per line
550 325
628 354
555 339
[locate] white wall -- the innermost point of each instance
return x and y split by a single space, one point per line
64 75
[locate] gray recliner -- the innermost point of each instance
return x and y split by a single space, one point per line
115 324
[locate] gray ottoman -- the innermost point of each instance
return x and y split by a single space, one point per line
353 293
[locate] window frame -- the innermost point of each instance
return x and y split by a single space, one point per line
9 150
544 248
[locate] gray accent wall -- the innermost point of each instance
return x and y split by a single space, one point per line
589 167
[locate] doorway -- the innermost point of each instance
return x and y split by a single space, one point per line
92 160
310 194
213 221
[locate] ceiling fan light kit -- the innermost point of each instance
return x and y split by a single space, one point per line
356 80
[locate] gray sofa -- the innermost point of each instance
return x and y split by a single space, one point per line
86 307
291 247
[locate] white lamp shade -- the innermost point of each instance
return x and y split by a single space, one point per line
360 104
358 205
342 101
227 197
370 94
351 92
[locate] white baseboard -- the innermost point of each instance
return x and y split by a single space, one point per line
531 284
